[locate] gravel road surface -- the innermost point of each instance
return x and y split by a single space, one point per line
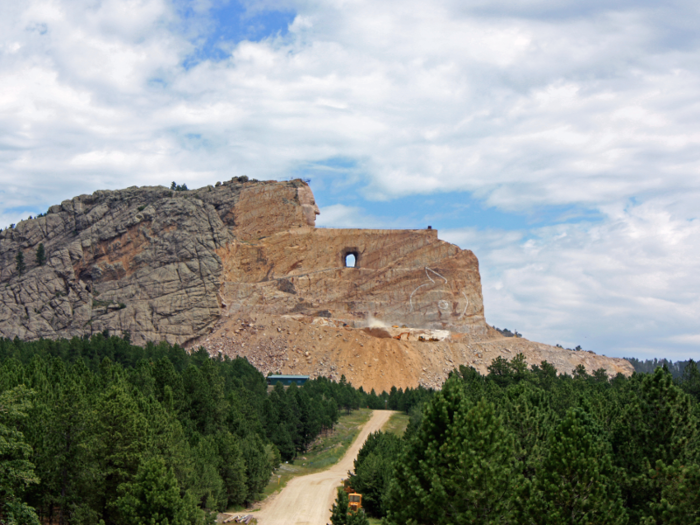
307 500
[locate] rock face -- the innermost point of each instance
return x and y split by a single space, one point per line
403 277
139 260
222 265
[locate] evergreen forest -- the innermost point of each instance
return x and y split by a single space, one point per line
527 446
649 365
102 431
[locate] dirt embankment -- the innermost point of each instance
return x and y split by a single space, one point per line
315 347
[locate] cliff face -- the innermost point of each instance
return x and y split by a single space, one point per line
241 269
402 277
142 260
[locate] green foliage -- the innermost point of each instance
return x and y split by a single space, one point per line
525 445
649 365
690 379
373 469
468 466
656 423
680 494
120 440
339 511
575 483
19 262
232 468
178 187
41 255
16 471
154 498
126 434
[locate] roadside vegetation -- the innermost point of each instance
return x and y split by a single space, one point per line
102 431
527 446
325 451
397 424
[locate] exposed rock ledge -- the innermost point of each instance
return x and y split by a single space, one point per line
139 260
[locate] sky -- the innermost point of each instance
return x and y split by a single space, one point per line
557 140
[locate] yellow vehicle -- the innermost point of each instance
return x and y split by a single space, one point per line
355 501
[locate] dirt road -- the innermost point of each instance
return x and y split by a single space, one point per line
307 500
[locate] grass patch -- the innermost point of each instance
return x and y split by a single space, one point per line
374 521
96 303
397 424
323 453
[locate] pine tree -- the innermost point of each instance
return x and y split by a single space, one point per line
16 471
232 468
40 254
167 439
310 418
546 375
373 468
680 495
257 463
62 443
339 511
501 371
121 440
575 483
208 485
528 415
459 468
19 262
657 423
580 372
153 498
357 518
690 381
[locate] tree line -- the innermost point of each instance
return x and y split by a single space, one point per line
102 431
648 366
527 446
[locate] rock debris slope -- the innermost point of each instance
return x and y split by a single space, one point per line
241 269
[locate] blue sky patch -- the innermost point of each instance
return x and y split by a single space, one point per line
216 31
343 181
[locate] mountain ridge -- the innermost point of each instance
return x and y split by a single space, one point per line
192 267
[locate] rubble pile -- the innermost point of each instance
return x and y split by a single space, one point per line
303 345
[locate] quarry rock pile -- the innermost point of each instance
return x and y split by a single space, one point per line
241 269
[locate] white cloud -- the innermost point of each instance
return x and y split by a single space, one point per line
692 339
524 104
341 216
608 286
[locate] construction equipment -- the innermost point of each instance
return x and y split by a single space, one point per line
355 501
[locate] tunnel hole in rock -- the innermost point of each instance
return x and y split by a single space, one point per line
351 258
